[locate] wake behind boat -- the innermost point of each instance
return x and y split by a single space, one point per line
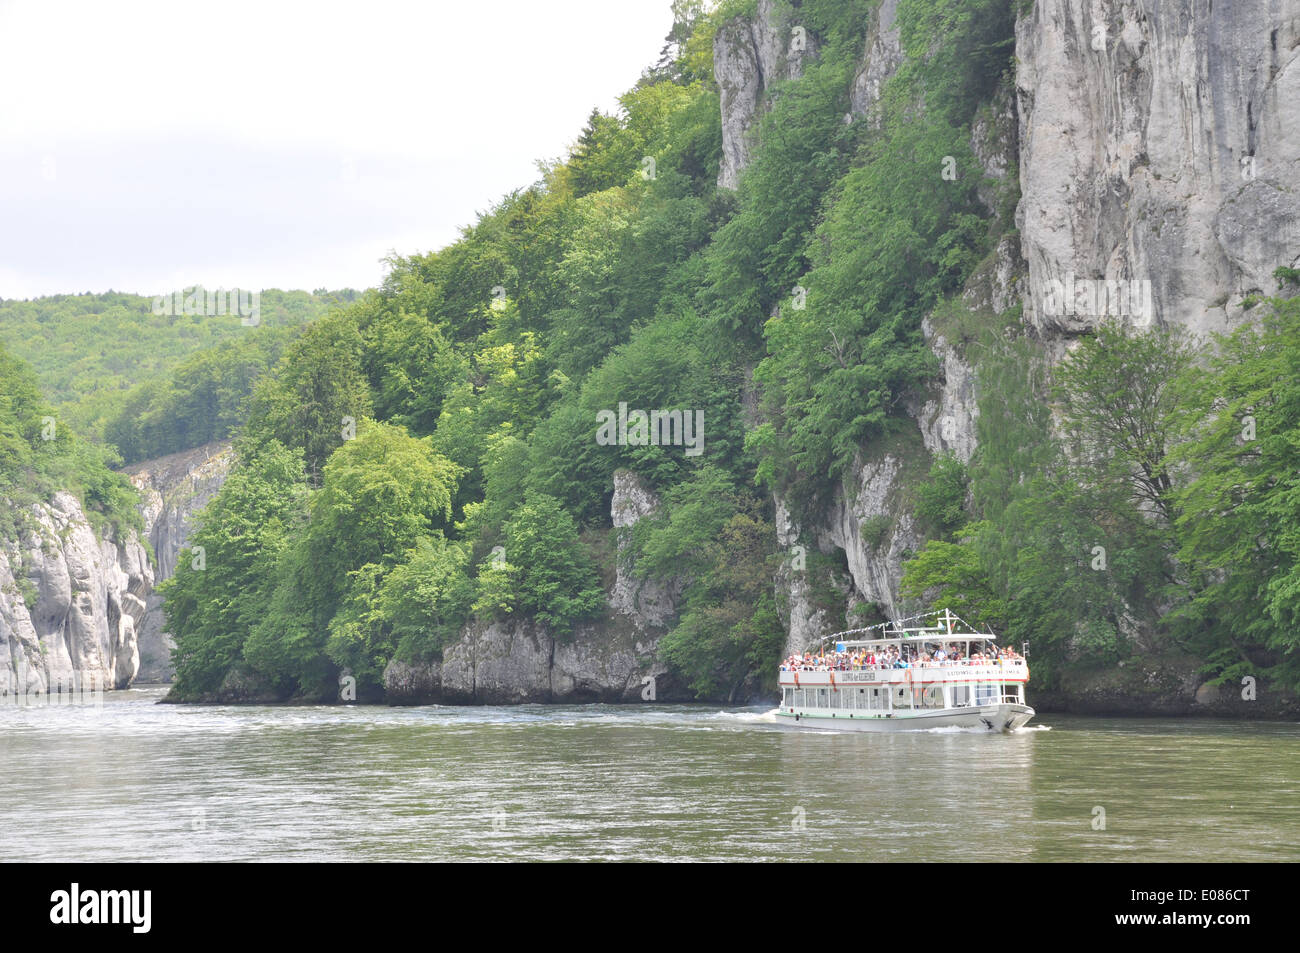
908 677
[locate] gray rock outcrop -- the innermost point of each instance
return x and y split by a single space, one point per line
868 519
172 491
649 602
806 621
71 601
1160 142
750 56
881 59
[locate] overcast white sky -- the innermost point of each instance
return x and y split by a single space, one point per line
148 146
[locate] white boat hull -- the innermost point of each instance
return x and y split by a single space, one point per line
1001 717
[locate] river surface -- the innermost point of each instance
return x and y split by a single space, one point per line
133 780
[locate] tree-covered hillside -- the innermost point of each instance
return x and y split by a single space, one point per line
624 277
441 449
98 355
40 457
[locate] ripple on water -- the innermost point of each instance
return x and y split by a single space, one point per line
134 780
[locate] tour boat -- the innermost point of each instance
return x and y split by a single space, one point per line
907 675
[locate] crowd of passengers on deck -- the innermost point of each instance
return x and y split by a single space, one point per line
892 657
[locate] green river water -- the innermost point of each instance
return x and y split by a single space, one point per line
134 780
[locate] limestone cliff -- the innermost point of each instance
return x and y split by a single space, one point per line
751 55
1150 143
71 601
172 491
1161 144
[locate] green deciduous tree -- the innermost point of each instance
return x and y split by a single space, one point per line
221 591
550 575
1237 514
317 388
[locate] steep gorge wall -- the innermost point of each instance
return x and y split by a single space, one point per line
1149 140
1154 141
1161 143
71 602
867 521
79 608
172 491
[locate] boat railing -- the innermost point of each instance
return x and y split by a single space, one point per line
927 666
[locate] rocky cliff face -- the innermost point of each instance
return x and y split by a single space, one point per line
172 490
751 56
880 60
868 520
612 659
1154 145
71 602
1161 144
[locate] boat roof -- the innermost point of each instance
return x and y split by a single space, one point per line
898 632
936 636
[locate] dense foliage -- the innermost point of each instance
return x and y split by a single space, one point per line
625 280
430 456
1155 515
115 369
39 456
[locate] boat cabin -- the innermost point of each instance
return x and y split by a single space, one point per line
903 672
